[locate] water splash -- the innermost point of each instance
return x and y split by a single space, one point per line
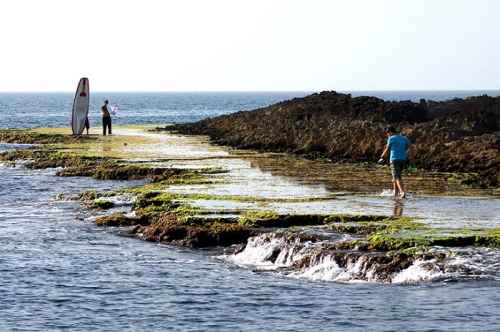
387 193
271 251
299 256
419 271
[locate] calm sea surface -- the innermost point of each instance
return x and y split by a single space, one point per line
58 271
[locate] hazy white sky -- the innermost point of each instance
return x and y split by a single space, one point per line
172 45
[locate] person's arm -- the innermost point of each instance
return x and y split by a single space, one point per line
387 147
382 156
381 160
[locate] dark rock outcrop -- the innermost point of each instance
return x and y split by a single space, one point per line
459 135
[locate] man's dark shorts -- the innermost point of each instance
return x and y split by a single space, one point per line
397 167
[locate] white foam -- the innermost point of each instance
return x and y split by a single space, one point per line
269 252
325 270
120 200
419 271
131 214
387 193
313 261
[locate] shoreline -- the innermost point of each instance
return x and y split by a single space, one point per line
244 201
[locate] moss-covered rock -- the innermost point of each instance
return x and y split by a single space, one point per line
120 219
102 204
263 218
27 136
336 218
50 158
428 237
99 168
170 228
112 170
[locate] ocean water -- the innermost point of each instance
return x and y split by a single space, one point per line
54 109
58 271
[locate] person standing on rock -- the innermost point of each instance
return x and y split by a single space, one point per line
397 145
106 118
87 125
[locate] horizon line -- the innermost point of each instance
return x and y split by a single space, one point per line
254 91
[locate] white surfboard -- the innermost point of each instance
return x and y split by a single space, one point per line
114 109
80 106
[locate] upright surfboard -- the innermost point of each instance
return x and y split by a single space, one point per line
80 106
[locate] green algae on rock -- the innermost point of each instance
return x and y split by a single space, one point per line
89 196
112 170
264 218
380 233
170 228
120 219
103 204
432 237
162 212
97 167
32 136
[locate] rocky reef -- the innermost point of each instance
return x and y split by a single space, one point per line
332 247
459 135
174 205
341 247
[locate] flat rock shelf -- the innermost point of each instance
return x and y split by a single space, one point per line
301 218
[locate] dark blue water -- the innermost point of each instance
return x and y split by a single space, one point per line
54 109
58 271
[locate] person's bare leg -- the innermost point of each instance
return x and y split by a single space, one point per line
395 189
401 188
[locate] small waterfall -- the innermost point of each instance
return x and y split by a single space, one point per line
271 251
299 256
419 271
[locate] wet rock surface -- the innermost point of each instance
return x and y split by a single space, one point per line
285 226
24 136
356 247
96 167
120 219
459 135
170 228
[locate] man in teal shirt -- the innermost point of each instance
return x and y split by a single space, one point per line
398 146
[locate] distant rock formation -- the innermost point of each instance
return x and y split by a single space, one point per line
458 135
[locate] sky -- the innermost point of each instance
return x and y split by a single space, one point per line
249 45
